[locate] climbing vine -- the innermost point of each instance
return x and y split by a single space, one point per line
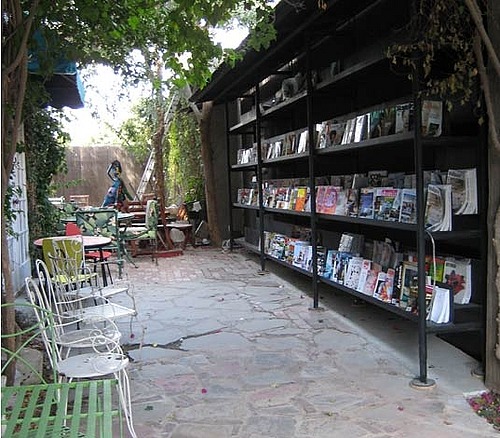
440 39
45 157
185 168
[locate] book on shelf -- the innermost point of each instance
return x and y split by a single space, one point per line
408 286
432 117
457 274
366 202
408 211
438 208
439 309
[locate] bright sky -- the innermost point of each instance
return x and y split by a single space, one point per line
102 95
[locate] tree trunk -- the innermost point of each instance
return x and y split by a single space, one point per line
206 154
158 140
492 359
15 33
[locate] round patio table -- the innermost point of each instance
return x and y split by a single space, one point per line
89 242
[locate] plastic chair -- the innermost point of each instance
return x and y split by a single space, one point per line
106 358
65 261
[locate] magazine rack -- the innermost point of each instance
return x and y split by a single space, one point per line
289 133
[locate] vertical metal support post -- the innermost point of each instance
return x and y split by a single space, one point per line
422 381
259 176
229 179
312 174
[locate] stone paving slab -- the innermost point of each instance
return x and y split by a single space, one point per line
221 351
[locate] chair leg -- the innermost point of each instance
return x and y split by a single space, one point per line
125 400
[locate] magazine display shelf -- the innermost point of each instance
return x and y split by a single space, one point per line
342 96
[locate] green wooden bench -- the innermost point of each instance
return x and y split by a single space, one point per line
40 410
77 409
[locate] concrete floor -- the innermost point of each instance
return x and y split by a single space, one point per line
220 350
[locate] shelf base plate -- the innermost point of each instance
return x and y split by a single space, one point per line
416 383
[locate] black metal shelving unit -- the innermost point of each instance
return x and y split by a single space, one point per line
348 91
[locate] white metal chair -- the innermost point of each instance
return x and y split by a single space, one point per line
70 333
106 358
69 301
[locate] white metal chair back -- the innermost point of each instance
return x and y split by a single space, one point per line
96 363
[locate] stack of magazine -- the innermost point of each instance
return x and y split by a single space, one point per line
438 208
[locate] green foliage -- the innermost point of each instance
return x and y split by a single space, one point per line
441 43
185 181
108 32
45 157
136 132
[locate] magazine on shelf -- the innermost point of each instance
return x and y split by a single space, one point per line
361 128
300 200
366 202
371 281
353 272
352 202
375 177
340 264
303 142
404 114
324 135
330 257
388 121
432 118
408 211
363 274
375 124
438 208
320 198
457 274
329 200
439 309
350 127
385 197
337 132
463 190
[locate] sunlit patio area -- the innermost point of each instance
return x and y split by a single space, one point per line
219 349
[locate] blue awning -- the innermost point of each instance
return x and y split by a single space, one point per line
65 85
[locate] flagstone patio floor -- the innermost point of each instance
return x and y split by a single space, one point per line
223 350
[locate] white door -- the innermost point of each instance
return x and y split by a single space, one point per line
18 242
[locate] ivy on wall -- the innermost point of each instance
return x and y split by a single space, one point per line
45 157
